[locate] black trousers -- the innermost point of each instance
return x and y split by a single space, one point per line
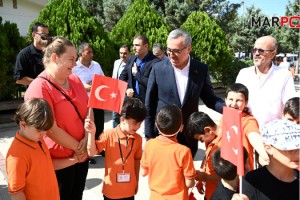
99 121
71 181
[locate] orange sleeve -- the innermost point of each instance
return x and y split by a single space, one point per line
139 151
102 141
16 168
189 171
250 125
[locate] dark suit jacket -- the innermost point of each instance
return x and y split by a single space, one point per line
162 90
141 76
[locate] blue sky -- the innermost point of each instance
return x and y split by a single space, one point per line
269 7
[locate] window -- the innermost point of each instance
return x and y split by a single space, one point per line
15 4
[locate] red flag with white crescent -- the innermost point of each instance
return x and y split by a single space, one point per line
107 93
232 135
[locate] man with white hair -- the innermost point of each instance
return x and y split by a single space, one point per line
269 86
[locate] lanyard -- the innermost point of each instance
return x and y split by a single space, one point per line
121 153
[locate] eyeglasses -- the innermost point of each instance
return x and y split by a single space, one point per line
43 35
261 51
175 51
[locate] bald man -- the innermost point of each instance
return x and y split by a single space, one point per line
269 85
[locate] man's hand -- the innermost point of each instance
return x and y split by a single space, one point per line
130 92
134 69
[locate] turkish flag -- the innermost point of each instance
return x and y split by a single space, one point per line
232 135
107 93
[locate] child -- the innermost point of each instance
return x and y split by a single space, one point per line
228 185
201 127
291 110
280 178
236 97
29 167
169 164
123 149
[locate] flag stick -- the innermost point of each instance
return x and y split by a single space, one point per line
240 182
90 110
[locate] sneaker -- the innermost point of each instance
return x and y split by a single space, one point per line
92 161
102 153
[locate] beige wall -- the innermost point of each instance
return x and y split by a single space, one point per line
25 13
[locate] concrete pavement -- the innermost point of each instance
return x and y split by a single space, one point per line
95 176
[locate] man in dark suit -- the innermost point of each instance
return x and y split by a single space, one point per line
137 71
180 80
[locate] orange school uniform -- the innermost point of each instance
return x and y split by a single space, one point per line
130 145
169 164
29 169
208 167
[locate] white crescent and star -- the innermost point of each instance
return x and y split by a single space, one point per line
228 137
98 90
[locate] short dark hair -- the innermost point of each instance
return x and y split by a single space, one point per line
223 168
133 108
197 122
125 46
291 107
169 119
81 46
36 112
38 24
238 88
143 38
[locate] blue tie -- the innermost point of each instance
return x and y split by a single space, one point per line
137 89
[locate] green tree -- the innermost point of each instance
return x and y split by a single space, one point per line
246 33
288 38
146 21
11 43
209 43
69 19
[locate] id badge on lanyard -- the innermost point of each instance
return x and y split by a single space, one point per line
123 177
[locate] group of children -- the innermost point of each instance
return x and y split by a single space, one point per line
168 164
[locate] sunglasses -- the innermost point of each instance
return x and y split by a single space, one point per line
261 51
175 51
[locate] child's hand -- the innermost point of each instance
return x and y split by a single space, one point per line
200 187
263 160
237 196
89 126
200 175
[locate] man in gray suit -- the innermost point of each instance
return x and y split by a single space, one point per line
182 81
118 68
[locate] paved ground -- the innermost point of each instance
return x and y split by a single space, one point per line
96 172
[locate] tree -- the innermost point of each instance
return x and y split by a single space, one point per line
10 45
288 38
69 19
246 34
146 21
209 43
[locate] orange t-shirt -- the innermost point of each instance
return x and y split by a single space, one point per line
108 140
29 169
169 164
208 167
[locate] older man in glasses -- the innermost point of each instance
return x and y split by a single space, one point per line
29 62
269 85
180 80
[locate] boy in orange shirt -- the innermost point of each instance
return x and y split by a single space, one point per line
123 151
30 171
201 127
168 164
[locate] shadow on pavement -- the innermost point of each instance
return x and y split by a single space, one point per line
92 182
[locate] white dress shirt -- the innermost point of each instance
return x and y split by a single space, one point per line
86 73
267 95
182 76
118 68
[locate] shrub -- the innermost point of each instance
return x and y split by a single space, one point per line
10 45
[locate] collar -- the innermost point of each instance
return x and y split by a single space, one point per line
145 59
79 63
186 68
35 50
25 141
121 134
167 139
